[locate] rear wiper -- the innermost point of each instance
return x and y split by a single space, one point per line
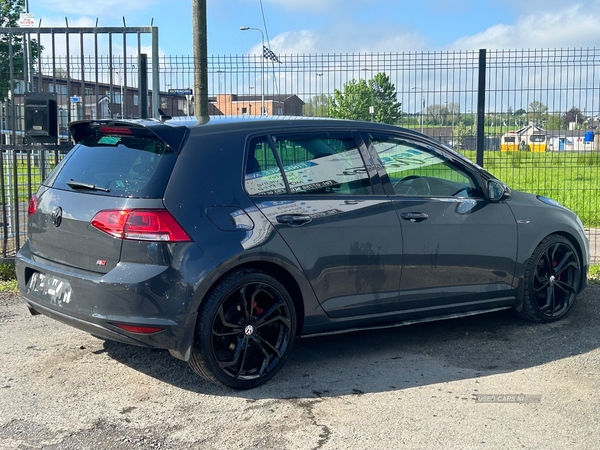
80 185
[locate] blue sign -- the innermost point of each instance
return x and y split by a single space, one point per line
180 91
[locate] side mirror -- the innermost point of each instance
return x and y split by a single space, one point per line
497 191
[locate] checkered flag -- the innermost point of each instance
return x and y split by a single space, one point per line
267 53
376 86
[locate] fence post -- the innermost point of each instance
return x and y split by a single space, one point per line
143 85
481 107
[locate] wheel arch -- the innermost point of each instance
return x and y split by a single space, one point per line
276 271
526 252
529 252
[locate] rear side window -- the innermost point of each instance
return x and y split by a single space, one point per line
119 162
316 164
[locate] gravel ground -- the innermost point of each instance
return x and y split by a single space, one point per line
411 387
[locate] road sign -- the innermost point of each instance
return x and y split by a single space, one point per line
26 20
180 92
75 99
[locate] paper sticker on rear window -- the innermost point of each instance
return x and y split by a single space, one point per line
109 140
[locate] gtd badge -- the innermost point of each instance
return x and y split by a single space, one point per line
57 216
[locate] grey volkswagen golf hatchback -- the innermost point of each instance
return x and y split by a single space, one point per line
224 242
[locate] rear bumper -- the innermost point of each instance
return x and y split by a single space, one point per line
133 294
89 327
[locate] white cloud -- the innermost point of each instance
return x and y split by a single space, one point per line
576 26
341 39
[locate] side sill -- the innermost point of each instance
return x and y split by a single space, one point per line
403 323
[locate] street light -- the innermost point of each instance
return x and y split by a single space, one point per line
320 97
262 67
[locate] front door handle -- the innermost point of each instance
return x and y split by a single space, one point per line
414 216
293 220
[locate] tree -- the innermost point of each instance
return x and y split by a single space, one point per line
574 115
357 97
461 133
353 102
435 113
9 17
554 122
538 113
444 115
317 106
387 109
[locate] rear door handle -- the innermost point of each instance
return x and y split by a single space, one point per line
293 220
414 216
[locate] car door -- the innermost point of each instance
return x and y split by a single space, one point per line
458 246
316 191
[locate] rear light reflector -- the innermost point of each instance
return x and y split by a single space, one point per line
138 329
140 225
33 204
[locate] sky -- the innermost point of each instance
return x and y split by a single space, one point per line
344 26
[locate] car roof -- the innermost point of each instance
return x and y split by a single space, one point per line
174 131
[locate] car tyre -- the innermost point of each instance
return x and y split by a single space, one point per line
552 280
245 330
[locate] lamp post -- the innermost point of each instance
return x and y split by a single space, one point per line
262 67
320 98
118 72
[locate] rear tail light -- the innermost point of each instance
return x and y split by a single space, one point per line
139 329
141 225
33 204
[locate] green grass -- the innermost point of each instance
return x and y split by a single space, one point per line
594 275
8 278
23 178
569 178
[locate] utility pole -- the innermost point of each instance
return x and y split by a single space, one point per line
200 37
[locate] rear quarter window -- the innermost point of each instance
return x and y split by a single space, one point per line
130 165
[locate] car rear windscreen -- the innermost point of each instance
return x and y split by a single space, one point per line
119 162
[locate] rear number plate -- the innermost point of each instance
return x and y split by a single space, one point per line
50 289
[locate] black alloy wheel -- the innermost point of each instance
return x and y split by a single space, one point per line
245 331
552 280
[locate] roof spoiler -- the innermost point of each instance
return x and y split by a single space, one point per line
174 136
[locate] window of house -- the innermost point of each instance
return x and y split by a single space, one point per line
60 89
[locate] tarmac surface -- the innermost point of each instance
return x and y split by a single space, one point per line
490 381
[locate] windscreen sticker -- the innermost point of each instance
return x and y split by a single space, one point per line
109 140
